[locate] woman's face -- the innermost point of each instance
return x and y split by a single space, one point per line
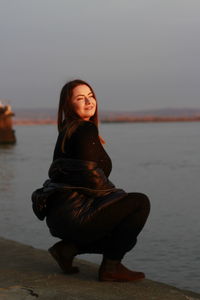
83 102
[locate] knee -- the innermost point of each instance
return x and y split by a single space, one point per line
139 201
145 202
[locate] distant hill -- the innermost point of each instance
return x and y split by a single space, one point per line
165 112
35 113
49 115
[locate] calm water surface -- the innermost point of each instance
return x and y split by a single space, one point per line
159 159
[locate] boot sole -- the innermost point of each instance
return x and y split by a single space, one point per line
119 280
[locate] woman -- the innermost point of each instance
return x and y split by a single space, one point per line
88 213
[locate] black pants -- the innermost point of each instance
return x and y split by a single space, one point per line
113 231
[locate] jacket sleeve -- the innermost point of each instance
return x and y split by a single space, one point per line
85 144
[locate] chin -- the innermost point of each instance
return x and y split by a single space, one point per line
89 115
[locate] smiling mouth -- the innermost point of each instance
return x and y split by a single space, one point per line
89 108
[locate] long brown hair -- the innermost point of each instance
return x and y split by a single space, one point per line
66 115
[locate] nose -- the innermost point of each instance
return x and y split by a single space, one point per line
87 100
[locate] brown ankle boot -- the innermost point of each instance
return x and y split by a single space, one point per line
64 254
115 271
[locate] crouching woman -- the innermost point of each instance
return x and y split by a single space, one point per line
86 211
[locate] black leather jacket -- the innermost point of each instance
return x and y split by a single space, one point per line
84 185
83 175
81 190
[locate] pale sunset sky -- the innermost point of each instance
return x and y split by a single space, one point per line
137 54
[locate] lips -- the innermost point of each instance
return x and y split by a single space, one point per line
89 108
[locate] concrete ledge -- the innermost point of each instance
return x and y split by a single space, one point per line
29 273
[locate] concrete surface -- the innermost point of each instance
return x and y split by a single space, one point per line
28 273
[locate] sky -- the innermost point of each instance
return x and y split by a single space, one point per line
136 54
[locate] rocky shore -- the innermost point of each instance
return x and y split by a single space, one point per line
29 273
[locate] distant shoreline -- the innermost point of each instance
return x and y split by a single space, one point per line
152 119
